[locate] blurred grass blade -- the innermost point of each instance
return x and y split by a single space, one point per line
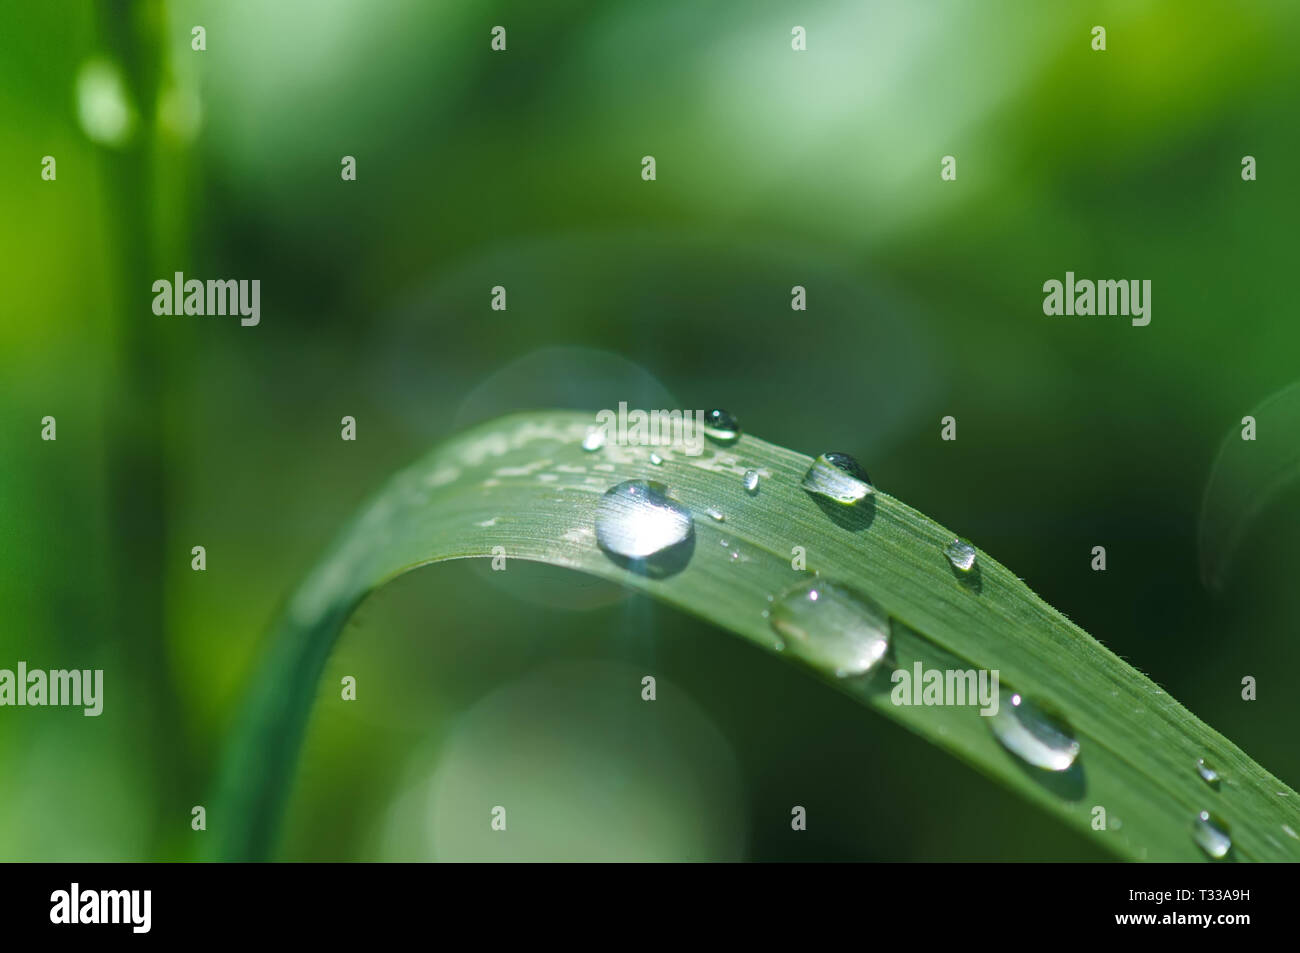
1246 477
525 484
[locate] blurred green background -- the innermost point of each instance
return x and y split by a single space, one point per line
522 169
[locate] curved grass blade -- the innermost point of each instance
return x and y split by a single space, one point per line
525 483
1246 477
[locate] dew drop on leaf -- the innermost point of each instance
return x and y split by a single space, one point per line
1207 773
961 554
831 627
1211 835
839 477
637 522
721 426
1034 735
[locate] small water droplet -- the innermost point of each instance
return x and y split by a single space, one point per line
716 514
831 627
1290 831
594 440
1207 773
1211 835
636 520
961 554
839 477
721 426
1034 735
751 481
656 459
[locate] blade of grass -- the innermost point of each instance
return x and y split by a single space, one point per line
524 483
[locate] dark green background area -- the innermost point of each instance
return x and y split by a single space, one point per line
522 169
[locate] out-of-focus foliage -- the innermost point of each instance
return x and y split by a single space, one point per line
522 169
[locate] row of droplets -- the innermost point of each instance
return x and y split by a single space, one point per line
829 626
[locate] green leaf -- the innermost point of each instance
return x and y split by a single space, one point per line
524 483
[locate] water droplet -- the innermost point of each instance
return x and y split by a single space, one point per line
849 464
751 481
1034 735
831 627
961 554
1207 773
1211 835
716 514
656 459
637 522
1290 831
594 440
721 426
839 477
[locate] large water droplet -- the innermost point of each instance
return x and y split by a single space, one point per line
839 477
961 554
1034 735
751 481
831 627
721 426
1207 773
638 525
1211 835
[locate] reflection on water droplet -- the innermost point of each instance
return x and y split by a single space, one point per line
1211 835
721 426
594 440
103 103
961 554
751 481
636 521
1034 735
831 627
839 477
1207 773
